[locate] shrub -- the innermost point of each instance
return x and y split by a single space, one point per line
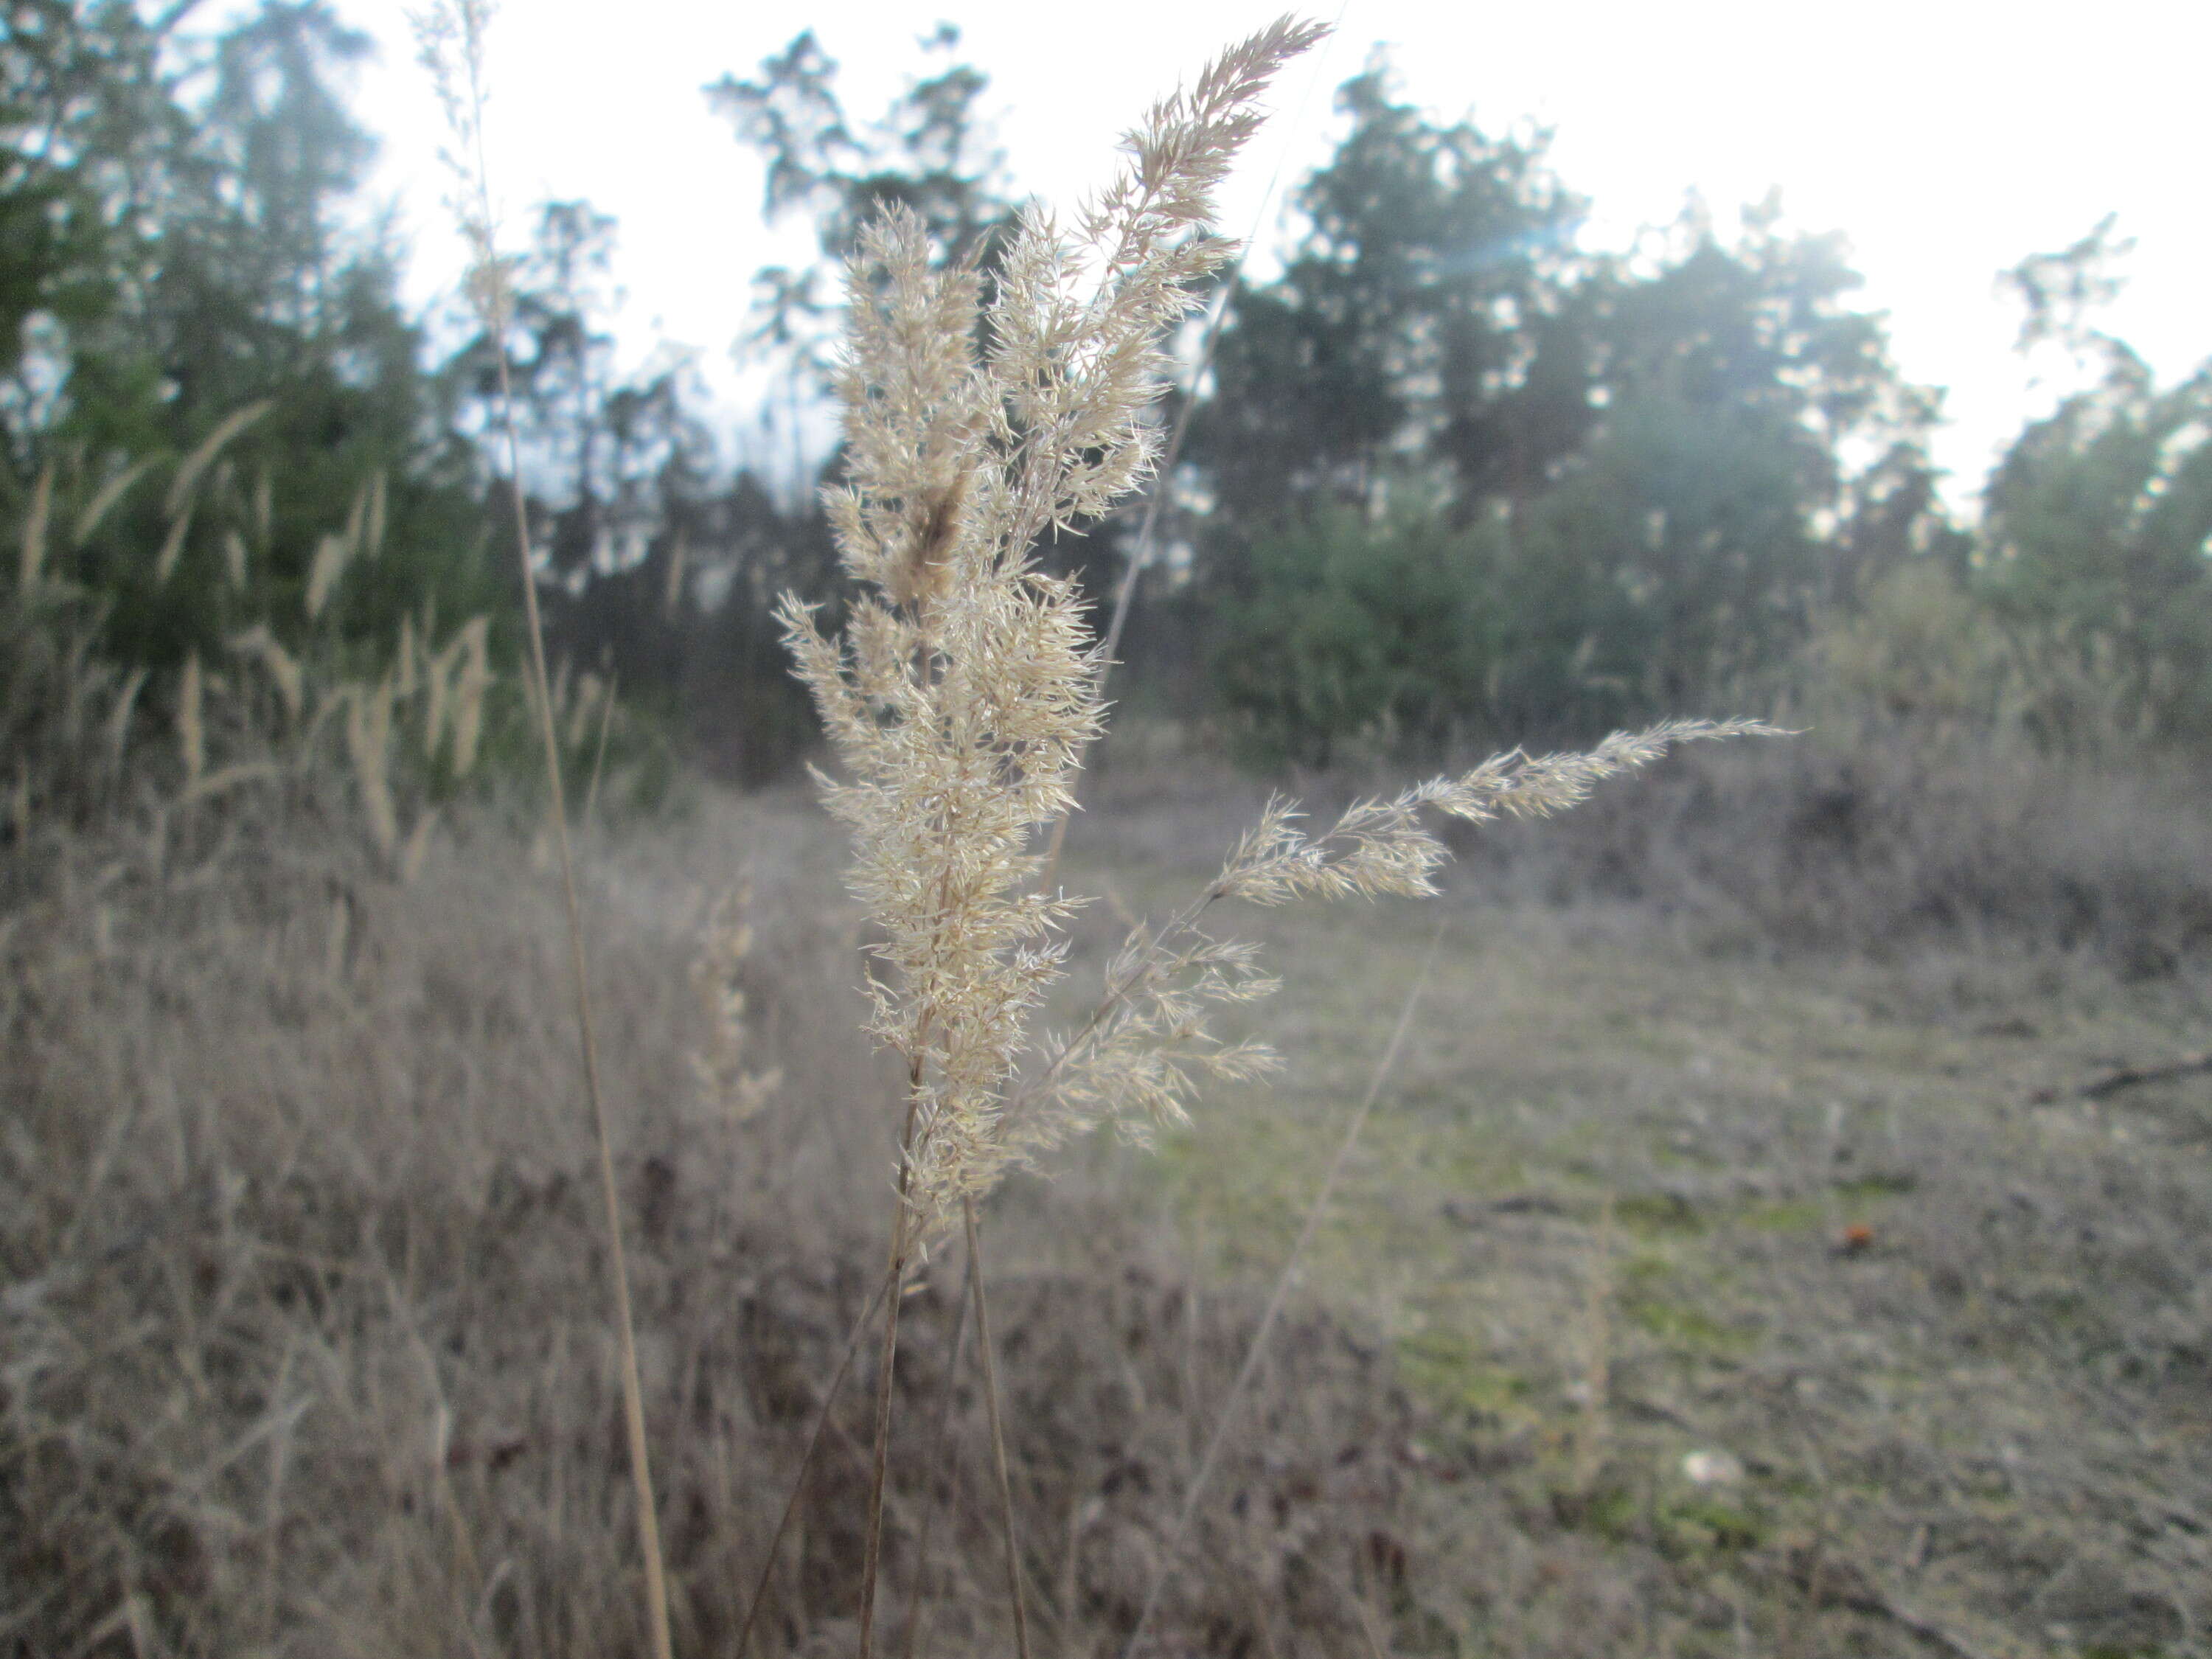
1352 628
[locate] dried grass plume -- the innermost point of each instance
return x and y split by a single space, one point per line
966 688
965 691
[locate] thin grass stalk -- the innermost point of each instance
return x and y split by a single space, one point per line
1007 1532
805 1461
648 1522
495 304
1280 1295
943 1432
467 1571
895 1289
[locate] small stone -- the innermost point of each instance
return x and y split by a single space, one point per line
1713 1468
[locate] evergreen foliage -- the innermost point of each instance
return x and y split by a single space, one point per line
209 366
1356 626
2100 521
1449 476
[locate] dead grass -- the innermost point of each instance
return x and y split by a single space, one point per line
299 1242
300 1354
1895 842
1867 1237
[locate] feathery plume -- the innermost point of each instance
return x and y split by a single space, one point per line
104 499
469 688
966 688
119 720
282 667
727 1084
1136 1061
182 487
173 544
331 553
965 691
368 738
372 530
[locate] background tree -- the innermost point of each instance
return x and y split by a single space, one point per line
1448 476
1424 317
1357 627
929 153
87 125
206 272
1639 463
2098 520
1707 513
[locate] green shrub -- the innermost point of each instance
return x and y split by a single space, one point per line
1351 628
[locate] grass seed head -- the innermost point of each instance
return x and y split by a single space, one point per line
966 688
728 1084
104 498
368 742
332 552
173 545
282 666
185 484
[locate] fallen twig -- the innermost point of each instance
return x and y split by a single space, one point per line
1843 1584
2127 1077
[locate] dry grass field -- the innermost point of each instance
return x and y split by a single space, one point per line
1761 1214
1712 1278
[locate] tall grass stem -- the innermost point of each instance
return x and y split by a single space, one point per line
805 1461
1011 1537
496 308
895 1290
1280 1295
939 1436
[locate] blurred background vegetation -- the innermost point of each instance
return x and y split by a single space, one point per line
1448 480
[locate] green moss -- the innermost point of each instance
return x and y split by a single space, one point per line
1882 1184
1690 1329
1657 1214
1612 1512
1707 1523
1801 1215
1446 1368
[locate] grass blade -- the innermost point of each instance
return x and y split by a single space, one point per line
1279 1297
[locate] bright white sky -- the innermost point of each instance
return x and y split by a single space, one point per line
1949 139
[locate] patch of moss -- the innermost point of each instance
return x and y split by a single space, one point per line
1445 1367
1690 1330
1699 1524
1656 1215
1886 1183
1610 1511
1800 1215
